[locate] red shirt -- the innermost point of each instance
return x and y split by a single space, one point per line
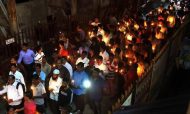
63 53
29 107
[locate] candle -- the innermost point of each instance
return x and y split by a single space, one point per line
153 47
136 26
32 88
5 97
145 24
130 62
140 69
171 21
129 37
68 57
54 65
121 71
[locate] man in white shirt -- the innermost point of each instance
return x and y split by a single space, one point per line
39 93
54 86
15 94
100 65
68 66
104 53
18 75
83 59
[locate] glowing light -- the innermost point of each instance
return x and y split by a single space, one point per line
68 57
153 48
32 88
171 21
130 62
121 71
4 97
54 65
87 84
136 26
145 24
140 69
159 35
152 23
129 37
55 49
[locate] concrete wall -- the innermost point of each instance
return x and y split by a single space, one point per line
31 12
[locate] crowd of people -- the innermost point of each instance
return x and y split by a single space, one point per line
85 64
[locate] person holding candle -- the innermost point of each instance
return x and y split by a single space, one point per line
79 90
62 51
100 65
39 93
83 59
104 53
39 55
40 73
54 86
15 94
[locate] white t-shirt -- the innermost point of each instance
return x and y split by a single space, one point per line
38 90
18 77
38 57
85 61
102 67
55 85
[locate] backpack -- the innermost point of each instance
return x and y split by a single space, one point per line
23 88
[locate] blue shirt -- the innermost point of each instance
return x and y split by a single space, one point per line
42 75
27 57
79 78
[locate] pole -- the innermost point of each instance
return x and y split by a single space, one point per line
11 8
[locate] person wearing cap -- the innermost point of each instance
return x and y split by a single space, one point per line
79 76
54 85
15 94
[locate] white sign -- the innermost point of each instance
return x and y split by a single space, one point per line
10 41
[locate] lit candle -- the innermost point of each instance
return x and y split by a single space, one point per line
145 24
129 37
5 97
171 21
140 69
153 48
130 62
121 71
32 88
68 57
54 65
136 26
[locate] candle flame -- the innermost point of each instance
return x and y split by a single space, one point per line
140 69
129 37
